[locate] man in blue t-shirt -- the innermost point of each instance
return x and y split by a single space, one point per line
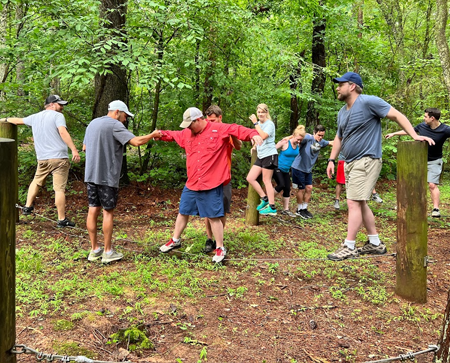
302 168
434 129
358 138
51 140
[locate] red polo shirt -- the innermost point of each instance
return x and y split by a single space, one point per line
207 152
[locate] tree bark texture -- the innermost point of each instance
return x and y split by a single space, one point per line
319 62
412 225
8 192
441 40
9 131
443 352
113 85
251 214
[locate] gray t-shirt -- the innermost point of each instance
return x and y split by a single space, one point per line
360 127
47 140
309 152
105 140
268 146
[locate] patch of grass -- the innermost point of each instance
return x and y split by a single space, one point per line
63 325
72 348
134 336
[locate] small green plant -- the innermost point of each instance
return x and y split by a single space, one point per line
63 325
203 355
133 335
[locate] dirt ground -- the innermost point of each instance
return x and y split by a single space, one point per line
294 318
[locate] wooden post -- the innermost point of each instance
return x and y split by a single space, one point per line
9 131
252 215
412 224
8 192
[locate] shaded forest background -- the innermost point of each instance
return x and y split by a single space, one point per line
163 56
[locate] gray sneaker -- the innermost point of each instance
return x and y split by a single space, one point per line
376 198
343 253
288 213
336 204
370 249
94 256
114 256
435 213
169 246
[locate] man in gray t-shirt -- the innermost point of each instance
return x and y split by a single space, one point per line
51 140
358 138
104 143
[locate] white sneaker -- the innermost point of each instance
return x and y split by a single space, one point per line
221 252
114 256
435 213
336 204
376 198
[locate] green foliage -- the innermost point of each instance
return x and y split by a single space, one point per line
134 336
63 325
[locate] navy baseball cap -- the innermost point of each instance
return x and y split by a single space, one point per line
350 77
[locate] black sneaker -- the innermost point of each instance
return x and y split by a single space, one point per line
307 214
26 211
301 213
210 246
65 223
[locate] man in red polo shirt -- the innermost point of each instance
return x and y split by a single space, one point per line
206 145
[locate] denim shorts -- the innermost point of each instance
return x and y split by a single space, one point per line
203 203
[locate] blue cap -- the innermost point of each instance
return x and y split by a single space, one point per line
350 77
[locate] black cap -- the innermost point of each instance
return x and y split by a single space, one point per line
55 99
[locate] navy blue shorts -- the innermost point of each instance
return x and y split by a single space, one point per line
301 179
204 203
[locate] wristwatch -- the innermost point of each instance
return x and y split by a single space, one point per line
332 160
256 123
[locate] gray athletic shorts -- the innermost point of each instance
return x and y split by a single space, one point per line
227 197
360 177
434 171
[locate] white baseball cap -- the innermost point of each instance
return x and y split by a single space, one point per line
119 105
191 114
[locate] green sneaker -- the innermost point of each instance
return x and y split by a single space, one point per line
114 256
94 256
268 211
262 205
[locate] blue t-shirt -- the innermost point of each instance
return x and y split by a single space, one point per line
47 140
286 157
359 128
439 135
309 152
268 146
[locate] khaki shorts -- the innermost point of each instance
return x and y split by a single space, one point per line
59 168
361 176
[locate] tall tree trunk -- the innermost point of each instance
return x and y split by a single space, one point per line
441 41
319 62
112 86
